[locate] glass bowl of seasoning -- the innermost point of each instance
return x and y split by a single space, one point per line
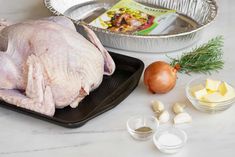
142 127
170 141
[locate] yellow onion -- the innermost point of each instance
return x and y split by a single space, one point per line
160 77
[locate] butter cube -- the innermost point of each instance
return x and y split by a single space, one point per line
196 88
227 91
212 85
225 88
210 91
214 97
200 93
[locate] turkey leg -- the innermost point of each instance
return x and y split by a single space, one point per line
38 96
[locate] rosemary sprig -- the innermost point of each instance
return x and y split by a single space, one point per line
204 59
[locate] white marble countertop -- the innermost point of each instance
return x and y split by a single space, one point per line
106 135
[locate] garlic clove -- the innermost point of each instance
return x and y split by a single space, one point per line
178 108
164 117
182 118
157 106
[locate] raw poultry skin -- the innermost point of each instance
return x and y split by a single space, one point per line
45 64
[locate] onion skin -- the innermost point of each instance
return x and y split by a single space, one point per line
160 77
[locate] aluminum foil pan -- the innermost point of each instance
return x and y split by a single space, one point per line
194 16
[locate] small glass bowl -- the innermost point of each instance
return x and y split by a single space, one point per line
170 148
204 106
135 123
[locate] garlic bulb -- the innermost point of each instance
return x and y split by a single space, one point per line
164 117
157 106
178 108
182 118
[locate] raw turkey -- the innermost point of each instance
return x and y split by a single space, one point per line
45 64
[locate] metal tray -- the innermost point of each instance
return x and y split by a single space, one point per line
194 16
110 93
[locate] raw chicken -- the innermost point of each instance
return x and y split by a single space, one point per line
45 64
